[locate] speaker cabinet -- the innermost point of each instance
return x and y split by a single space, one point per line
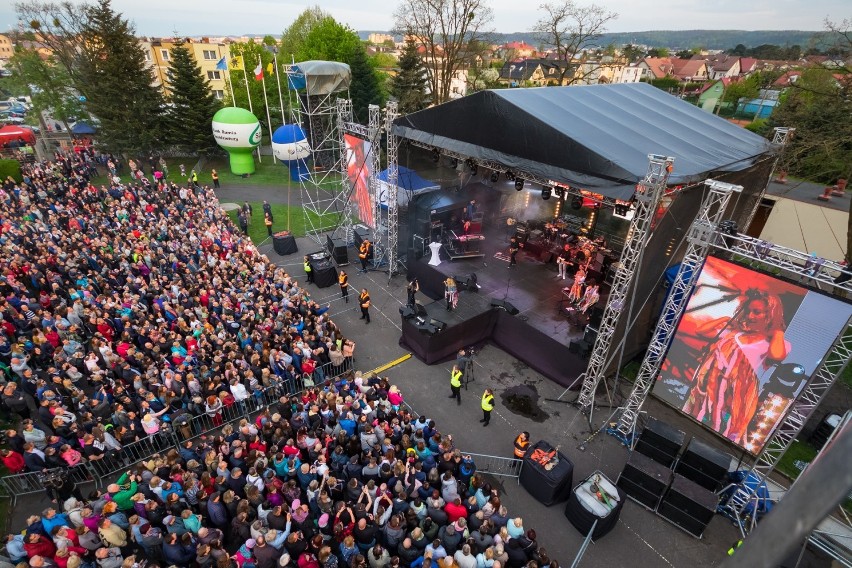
703 464
513 311
688 505
644 480
362 233
420 311
407 312
337 249
437 324
660 442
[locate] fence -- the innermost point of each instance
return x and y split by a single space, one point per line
496 465
169 436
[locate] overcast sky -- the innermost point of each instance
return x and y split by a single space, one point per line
236 17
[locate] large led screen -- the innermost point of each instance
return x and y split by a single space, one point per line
745 348
358 171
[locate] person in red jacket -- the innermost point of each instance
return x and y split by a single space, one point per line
13 461
455 510
39 545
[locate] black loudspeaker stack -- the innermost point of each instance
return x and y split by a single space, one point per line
503 304
338 251
362 233
704 465
407 312
660 442
688 505
644 480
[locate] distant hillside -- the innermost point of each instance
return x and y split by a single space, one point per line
684 39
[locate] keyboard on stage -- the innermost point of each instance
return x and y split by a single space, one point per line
466 238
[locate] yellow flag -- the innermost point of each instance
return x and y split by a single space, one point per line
270 68
235 63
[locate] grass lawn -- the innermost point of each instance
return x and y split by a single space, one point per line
266 173
257 230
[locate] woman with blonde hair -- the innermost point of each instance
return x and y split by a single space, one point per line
451 293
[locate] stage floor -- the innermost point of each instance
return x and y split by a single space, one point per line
532 286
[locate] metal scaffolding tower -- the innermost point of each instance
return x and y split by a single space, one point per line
391 113
323 202
374 135
647 197
698 242
781 135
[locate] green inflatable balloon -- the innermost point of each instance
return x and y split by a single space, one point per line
237 131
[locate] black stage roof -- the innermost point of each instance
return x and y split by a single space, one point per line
596 137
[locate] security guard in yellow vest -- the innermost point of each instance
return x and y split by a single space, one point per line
455 383
309 271
487 406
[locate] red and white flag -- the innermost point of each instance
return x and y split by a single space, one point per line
258 72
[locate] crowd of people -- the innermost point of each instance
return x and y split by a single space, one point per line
127 306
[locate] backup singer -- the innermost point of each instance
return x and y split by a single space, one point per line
451 294
577 286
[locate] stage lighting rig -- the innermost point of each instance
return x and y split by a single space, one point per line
519 184
436 155
454 163
472 166
495 176
510 176
545 192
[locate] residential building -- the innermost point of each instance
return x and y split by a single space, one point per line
206 53
7 48
689 70
515 50
533 72
631 73
720 65
656 67
380 38
711 93
748 65
595 71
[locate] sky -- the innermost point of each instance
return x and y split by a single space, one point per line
238 17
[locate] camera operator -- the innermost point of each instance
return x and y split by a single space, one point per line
464 361
60 487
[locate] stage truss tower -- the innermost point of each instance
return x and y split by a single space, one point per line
761 255
324 198
698 242
647 197
391 113
781 135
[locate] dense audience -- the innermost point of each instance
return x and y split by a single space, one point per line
132 307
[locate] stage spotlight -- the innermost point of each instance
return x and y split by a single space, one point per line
519 184
729 227
559 192
577 202
545 192
494 177
472 165
622 210
436 155
510 176
454 163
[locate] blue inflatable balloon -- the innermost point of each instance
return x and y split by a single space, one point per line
290 146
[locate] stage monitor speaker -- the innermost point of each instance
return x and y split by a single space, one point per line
467 283
688 505
425 327
660 442
407 312
338 250
438 324
503 304
644 480
703 464
420 311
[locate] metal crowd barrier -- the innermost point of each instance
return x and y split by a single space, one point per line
172 436
496 465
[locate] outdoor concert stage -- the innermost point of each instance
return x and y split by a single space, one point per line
538 335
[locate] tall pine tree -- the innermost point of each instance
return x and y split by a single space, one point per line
408 86
117 84
192 105
364 88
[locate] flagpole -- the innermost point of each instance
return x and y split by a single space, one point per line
278 78
248 93
266 103
231 87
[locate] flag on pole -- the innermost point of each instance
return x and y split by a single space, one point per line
258 72
236 63
270 68
221 65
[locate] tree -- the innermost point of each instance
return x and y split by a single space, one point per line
446 29
632 53
364 88
296 33
817 105
570 30
408 87
59 26
658 52
192 105
48 84
329 40
117 84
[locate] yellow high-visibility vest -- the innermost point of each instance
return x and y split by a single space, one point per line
487 402
455 378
